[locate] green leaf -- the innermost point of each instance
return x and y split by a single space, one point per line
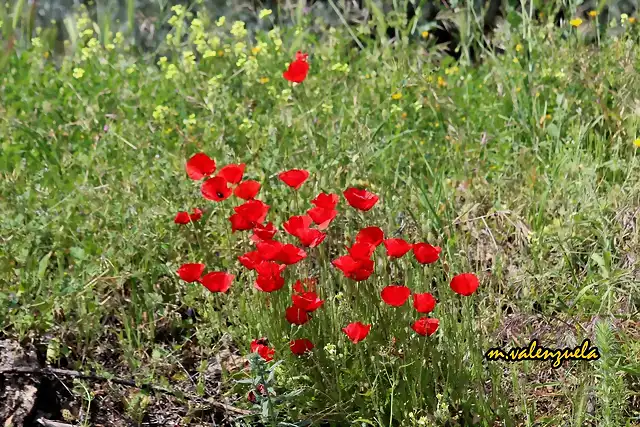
43 264
78 253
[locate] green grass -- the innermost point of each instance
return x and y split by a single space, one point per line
544 209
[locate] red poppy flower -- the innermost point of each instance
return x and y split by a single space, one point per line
196 215
360 199
326 201
396 248
465 284
425 326
232 173
217 281
247 190
296 315
269 276
182 218
372 235
199 166
253 210
263 232
311 238
216 189
251 397
294 178
308 301
426 253
251 259
269 250
424 303
354 269
191 272
298 69
305 285
300 346
290 254
240 223
322 217
361 251
296 225
357 331
260 346
395 296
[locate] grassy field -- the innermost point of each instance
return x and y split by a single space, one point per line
523 169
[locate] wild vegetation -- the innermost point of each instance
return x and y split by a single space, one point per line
279 228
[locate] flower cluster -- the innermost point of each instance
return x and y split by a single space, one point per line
270 256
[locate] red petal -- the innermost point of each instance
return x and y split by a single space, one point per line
191 272
294 178
217 281
425 326
357 331
397 248
426 253
296 315
216 189
360 199
232 173
465 284
199 166
300 346
182 218
372 235
247 189
395 296
424 303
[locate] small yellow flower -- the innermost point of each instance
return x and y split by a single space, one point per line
403 115
632 20
422 142
518 47
518 90
264 13
516 60
575 22
441 82
593 13
220 22
78 73
548 117
221 53
425 34
637 142
256 50
396 96
264 80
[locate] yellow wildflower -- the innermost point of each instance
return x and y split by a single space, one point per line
220 22
425 34
238 30
404 115
441 82
264 13
78 73
575 22
518 47
516 60
396 96
593 13
264 80
256 50
632 20
637 142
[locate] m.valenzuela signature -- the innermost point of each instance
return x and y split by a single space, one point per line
535 352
